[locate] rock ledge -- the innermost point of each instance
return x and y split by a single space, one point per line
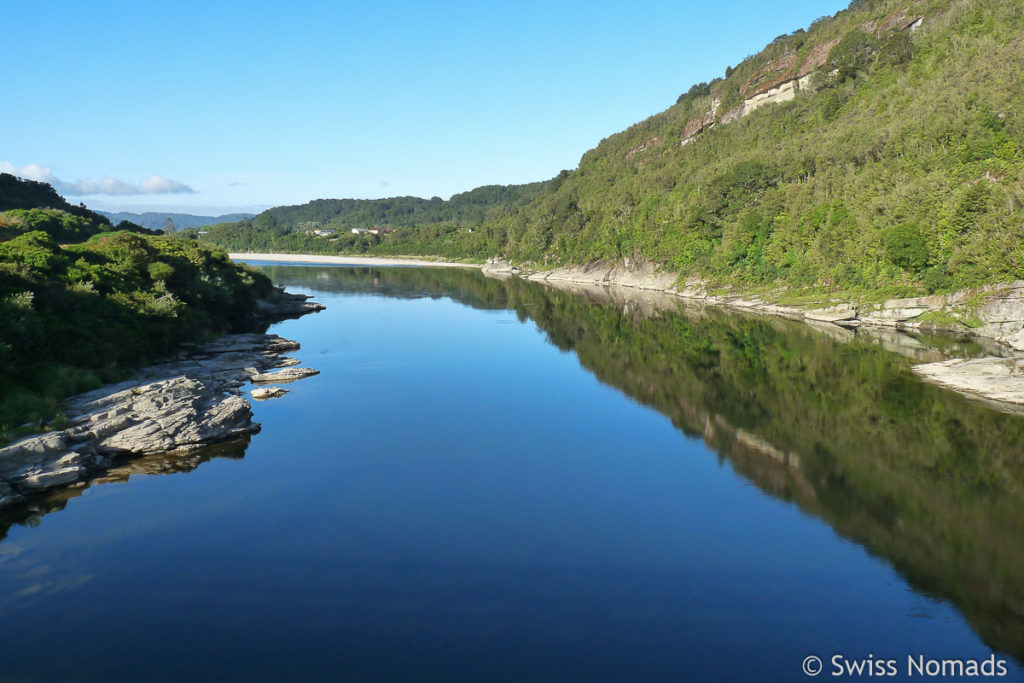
179 405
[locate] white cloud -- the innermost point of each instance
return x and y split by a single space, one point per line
154 184
29 172
118 187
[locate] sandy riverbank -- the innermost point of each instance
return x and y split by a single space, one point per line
349 260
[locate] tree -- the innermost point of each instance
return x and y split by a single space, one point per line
853 54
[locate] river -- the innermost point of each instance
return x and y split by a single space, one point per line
495 480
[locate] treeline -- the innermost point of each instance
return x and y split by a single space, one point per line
897 169
77 315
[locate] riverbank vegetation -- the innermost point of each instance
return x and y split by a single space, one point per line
75 315
897 167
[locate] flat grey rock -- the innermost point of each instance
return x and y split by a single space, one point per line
995 379
284 375
179 405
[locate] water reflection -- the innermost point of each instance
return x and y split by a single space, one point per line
837 424
32 581
834 422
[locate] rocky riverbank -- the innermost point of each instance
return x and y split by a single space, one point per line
992 315
179 405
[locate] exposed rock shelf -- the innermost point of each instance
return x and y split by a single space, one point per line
288 306
264 393
179 405
285 374
994 379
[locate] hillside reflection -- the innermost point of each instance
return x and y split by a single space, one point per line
834 423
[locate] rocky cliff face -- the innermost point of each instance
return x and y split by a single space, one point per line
780 79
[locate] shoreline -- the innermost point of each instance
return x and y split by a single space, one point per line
325 259
997 379
183 403
998 310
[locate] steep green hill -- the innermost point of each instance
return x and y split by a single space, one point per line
897 161
879 150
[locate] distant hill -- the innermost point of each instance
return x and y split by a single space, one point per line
155 220
291 228
879 150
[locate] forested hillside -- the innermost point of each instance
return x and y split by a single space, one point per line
898 162
878 150
104 302
295 228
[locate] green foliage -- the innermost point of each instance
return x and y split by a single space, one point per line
854 54
695 91
74 315
896 49
16 193
27 206
907 247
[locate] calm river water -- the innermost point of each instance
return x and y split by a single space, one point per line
494 480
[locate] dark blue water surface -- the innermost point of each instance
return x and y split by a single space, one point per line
494 480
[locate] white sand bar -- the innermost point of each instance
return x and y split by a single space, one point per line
349 260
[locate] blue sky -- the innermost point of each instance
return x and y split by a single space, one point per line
218 106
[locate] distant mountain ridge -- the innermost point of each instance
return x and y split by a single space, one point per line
155 220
